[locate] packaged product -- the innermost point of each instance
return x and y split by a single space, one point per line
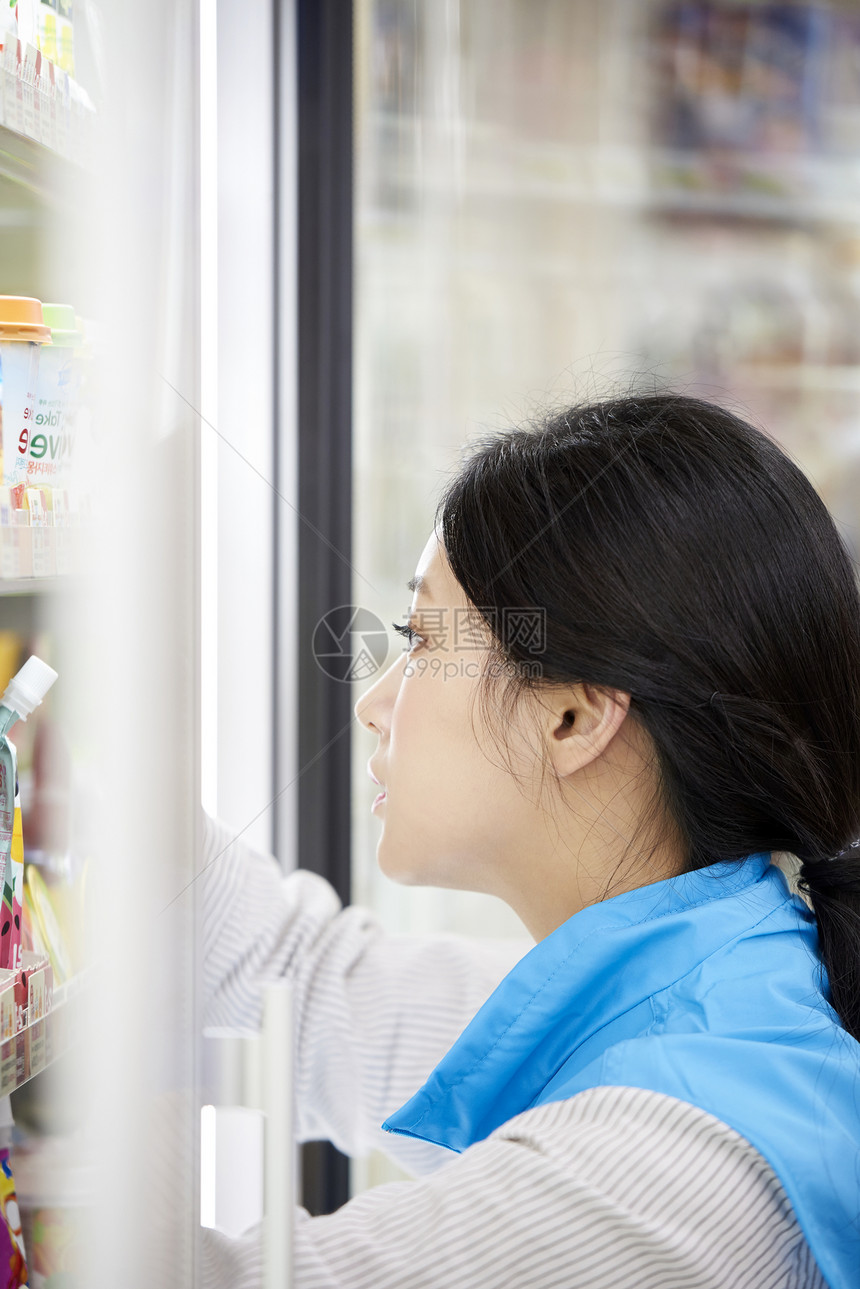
13 1265
24 693
13 886
65 36
42 927
50 442
8 23
48 29
22 335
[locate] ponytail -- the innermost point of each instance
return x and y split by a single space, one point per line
833 888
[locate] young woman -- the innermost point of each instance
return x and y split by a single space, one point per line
665 1088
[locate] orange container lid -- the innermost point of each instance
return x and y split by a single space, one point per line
21 319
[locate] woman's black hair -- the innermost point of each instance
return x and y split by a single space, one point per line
679 555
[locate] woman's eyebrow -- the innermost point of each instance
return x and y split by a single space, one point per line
418 583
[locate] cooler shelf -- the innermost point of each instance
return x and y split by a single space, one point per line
34 1047
38 559
24 161
46 123
30 585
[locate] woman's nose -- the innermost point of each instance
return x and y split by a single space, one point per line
365 707
360 710
370 708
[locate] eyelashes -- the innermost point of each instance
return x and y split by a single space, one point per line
409 633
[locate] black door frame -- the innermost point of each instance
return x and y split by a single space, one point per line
321 113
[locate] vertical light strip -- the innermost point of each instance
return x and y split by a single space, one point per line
208 406
286 765
207 1165
279 1151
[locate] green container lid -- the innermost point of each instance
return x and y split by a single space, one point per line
63 323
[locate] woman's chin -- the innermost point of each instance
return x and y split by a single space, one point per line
399 873
399 864
399 867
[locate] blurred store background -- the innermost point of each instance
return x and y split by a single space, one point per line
558 199
312 249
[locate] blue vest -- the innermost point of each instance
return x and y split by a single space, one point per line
707 987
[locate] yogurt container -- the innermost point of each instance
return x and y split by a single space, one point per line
50 445
22 335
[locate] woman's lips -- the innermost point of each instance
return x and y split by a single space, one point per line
377 801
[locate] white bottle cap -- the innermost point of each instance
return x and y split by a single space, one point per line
25 691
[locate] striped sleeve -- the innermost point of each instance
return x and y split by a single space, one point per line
375 1013
615 1187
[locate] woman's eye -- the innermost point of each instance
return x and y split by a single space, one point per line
404 629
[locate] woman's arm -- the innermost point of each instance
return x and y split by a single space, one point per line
612 1188
374 1012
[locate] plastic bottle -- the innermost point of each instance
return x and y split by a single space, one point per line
23 695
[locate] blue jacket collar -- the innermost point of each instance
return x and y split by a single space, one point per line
708 988
583 980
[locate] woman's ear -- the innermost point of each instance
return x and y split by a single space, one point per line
581 722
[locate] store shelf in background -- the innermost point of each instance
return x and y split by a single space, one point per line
497 164
44 116
813 377
39 1043
30 586
34 558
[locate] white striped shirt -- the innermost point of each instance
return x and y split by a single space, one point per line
612 1187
